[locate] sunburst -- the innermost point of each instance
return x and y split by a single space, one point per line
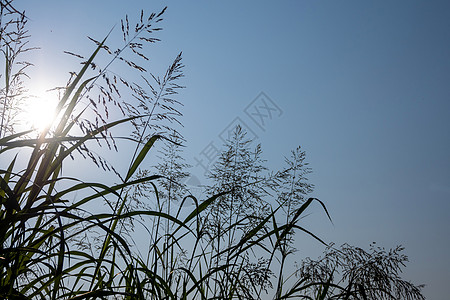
40 111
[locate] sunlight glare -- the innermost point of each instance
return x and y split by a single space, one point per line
41 111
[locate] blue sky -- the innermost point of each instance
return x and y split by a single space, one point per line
361 86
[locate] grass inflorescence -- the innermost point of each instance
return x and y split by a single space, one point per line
234 243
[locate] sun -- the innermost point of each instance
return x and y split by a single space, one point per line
40 111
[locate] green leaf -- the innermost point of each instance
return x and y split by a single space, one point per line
141 156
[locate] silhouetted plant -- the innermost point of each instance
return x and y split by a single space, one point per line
353 273
13 45
225 247
39 226
292 188
240 171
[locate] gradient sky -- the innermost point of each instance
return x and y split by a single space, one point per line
362 86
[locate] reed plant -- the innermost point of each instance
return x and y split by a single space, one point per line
44 237
53 245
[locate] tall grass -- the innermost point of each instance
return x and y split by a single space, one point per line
52 246
45 250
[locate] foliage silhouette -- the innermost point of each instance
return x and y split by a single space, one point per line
54 245
353 273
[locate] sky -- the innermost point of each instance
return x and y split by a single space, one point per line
362 86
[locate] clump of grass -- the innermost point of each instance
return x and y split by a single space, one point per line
350 272
53 247
38 258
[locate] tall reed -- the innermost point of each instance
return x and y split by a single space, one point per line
53 246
